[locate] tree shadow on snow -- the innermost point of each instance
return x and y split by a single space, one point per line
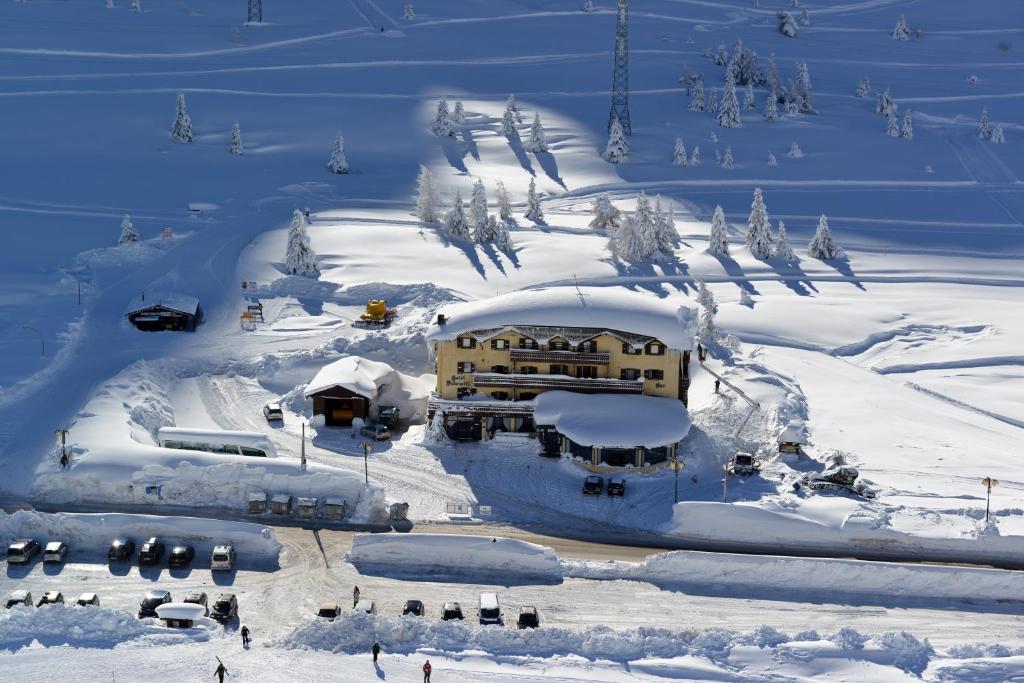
468 248
493 255
516 145
550 166
454 152
842 264
467 138
646 276
735 271
793 276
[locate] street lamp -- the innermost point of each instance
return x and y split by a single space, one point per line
77 279
42 340
988 483
367 447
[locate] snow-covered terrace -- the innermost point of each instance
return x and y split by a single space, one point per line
613 421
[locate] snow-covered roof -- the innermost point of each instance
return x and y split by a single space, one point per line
221 437
607 308
356 374
258 495
181 610
613 420
175 302
794 433
280 498
307 502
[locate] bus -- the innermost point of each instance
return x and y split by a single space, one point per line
216 441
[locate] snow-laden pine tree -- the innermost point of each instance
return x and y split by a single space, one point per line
901 32
805 18
746 299
533 211
508 124
459 113
617 148
748 98
787 26
679 153
435 432
729 113
794 151
510 105
408 13
634 242
727 161
718 241
299 258
588 5
665 228
181 129
791 105
338 163
893 126
537 142
822 246
708 330
718 158
713 137
884 103
644 217
695 156
606 216
499 233
983 130
235 146
759 229
771 108
697 98
721 56
478 212
803 86
110 4
998 137
907 133
704 296
772 79
772 161
129 235
455 224
442 126
783 251
137 6
712 102
428 203
504 204
863 87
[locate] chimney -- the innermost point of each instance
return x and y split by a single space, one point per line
441 319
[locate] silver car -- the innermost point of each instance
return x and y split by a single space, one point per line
376 432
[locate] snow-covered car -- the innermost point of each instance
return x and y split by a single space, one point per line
329 611
593 485
528 618
22 550
153 599
450 611
376 432
223 558
55 551
51 598
273 412
414 608
199 598
225 608
19 598
365 605
617 486
87 599
121 549
181 556
152 551
490 610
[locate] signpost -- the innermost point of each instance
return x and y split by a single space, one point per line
367 447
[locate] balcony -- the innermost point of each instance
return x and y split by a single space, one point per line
546 382
561 357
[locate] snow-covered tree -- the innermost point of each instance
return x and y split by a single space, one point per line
436 433
783 251
408 13
707 53
794 151
110 4
455 224
727 161
129 235
588 5
442 126
617 148
729 113
718 158
822 246
644 215
338 163
718 242
235 147
907 133
721 56
508 124
137 6
803 86
606 216
695 156
805 18
713 137
704 296
771 109
533 210
697 97
759 229
983 130
537 142
181 129
791 105
504 204
665 228
746 299
772 161
299 258
428 203
712 102
893 127
901 32
510 105
748 98
884 103
679 154
635 241
772 79
708 329
499 233
459 113
787 26
863 87
478 212
998 137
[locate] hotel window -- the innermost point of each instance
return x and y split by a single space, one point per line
500 369
559 370
628 349
527 343
528 370
500 395
655 349
654 374
500 344
558 346
629 373
587 346
465 392
467 343
586 371
466 366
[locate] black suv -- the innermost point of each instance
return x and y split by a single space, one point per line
151 552
198 598
616 486
593 485
451 610
528 618
225 608
153 599
121 549
413 607
181 556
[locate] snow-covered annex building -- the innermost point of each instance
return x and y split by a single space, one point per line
600 373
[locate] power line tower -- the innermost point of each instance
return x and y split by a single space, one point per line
620 71
255 12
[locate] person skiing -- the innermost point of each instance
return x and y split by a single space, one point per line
355 597
375 650
221 671
426 672
245 636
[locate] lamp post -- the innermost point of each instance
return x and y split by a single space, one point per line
42 340
302 450
988 483
367 447
78 280
725 483
63 434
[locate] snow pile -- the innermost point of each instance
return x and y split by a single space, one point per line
613 421
84 532
453 555
774 574
379 382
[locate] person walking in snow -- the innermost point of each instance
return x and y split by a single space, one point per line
355 597
64 460
245 636
376 651
718 383
221 671
426 672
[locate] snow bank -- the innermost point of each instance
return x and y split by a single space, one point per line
774 574
93 532
454 555
613 421
379 382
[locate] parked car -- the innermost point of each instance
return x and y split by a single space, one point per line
490 610
388 416
21 551
181 556
86 599
528 618
365 605
223 558
329 611
225 608
121 549
199 598
19 598
273 411
153 599
617 486
414 607
377 432
55 551
592 485
451 610
51 598
152 551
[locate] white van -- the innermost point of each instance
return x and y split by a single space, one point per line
365 605
223 558
490 611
